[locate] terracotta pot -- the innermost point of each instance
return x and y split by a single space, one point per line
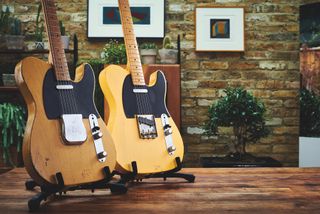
65 42
148 56
14 42
8 80
168 56
39 45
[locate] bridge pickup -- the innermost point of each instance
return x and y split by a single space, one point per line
97 138
168 134
64 87
147 126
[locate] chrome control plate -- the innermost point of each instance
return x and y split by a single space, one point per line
97 138
168 134
73 130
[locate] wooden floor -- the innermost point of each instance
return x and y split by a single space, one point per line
245 190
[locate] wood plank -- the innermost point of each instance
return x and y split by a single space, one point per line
246 190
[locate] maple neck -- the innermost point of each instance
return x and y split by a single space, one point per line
133 56
59 59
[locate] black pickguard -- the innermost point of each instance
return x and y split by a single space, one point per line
156 96
79 100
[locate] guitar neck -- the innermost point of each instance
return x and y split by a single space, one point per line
59 60
131 44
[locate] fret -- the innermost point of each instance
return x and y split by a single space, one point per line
55 44
131 43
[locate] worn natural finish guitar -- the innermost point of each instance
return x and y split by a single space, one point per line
139 121
64 132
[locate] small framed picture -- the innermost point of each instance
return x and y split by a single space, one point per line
219 29
104 18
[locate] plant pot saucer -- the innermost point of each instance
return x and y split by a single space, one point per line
230 161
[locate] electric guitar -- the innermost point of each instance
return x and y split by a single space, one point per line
64 132
139 121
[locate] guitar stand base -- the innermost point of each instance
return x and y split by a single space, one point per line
47 191
133 176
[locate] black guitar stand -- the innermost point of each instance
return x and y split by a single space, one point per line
46 191
132 176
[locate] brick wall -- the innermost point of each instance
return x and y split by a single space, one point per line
269 68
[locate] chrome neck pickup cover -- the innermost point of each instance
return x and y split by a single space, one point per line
147 126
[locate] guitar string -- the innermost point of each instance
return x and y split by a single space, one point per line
68 101
140 106
63 108
143 100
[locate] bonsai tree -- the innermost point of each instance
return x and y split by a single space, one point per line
309 113
241 111
12 123
114 53
168 54
148 52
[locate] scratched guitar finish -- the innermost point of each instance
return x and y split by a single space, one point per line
139 120
64 132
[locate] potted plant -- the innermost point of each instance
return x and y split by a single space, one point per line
14 37
245 114
65 39
12 123
10 30
114 53
309 141
4 23
309 146
148 53
39 44
7 74
168 54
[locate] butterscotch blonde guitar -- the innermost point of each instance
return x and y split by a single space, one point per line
139 121
64 135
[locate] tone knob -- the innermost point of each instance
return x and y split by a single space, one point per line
171 149
102 155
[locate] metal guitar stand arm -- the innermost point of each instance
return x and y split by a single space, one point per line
133 176
46 191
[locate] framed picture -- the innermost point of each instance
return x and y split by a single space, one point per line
104 18
219 29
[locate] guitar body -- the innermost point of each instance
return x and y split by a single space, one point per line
44 150
151 155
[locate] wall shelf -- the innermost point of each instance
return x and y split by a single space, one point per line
30 51
9 89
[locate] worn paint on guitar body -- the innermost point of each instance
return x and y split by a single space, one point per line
150 154
44 151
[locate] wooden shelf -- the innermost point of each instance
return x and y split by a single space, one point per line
9 88
30 51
